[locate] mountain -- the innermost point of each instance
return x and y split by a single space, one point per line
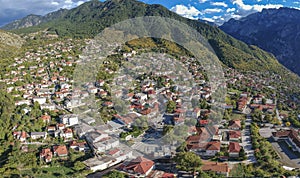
274 30
207 22
9 43
33 20
90 18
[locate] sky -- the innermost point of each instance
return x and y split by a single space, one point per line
217 11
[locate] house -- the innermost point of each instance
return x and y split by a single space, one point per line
123 120
82 129
51 107
19 103
234 149
45 118
20 136
37 135
235 135
93 90
146 111
178 120
94 137
60 150
100 163
218 168
60 126
141 96
235 125
161 174
67 133
46 155
69 119
212 148
102 93
106 144
203 122
40 100
99 83
242 103
139 167
108 104
80 146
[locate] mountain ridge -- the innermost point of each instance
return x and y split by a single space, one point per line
33 20
90 18
274 30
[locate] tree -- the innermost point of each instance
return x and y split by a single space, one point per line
171 106
242 154
114 174
188 161
78 166
167 129
264 101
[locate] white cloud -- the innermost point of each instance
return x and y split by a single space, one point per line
241 5
202 1
219 4
68 2
189 12
208 19
230 10
55 3
246 9
79 3
210 11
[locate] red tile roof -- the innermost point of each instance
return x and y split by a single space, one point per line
234 147
235 124
60 150
47 154
215 167
140 165
213 146
234 134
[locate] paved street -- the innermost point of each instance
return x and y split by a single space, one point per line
246 142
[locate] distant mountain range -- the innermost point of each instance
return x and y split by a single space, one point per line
274 30
90 18
33 20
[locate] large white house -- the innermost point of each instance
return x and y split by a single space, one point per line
69 119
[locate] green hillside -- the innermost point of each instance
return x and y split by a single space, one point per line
90 18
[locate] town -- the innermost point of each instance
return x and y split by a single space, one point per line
143 122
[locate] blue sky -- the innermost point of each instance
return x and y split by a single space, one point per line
216 11
219 11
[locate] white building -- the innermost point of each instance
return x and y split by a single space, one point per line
40 100
69 119
51 107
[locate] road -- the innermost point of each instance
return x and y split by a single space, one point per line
246 141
